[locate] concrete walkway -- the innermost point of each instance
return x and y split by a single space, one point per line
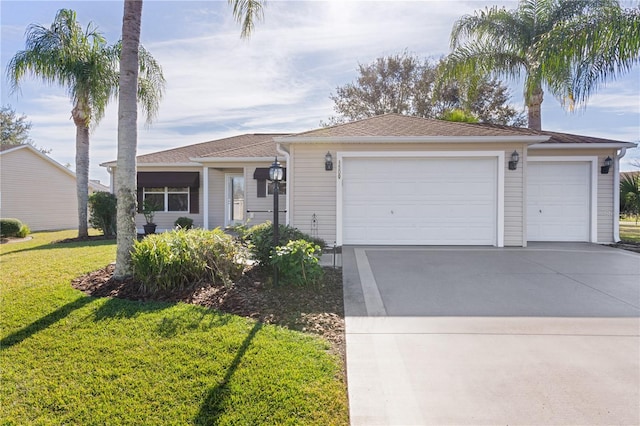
548 334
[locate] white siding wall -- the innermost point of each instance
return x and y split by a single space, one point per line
514 198
314 189
216 198
605 207
37 192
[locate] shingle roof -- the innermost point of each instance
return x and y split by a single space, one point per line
398 125
389 125
249 145
556 137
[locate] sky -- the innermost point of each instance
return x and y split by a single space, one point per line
279 80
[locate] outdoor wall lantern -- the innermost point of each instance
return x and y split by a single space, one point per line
608 162
275 176
328 161
513 163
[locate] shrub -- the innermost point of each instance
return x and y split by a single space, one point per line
102 212
179 259
297 263
24 231
183 223
260 240
9 227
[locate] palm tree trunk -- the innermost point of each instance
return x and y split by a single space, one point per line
534 107
82 167
125 178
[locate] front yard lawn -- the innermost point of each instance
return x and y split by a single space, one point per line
630 231
66 358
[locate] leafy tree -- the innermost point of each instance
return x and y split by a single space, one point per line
460 116
630 194
246 13
404 84
102 212
15 129
531 41
83 63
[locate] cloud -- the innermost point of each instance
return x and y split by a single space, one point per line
279 80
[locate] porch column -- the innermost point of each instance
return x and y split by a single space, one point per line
205 197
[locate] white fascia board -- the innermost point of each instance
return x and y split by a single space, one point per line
612 145
15 148
415 139
234 159
138 165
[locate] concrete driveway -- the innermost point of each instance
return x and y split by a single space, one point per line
548 334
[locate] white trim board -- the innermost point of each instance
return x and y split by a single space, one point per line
499 155
593 214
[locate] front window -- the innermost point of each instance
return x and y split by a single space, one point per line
282 188
168 199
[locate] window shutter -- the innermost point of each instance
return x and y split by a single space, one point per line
262 188
139 195
194 200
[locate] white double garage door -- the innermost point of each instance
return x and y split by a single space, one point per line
456 199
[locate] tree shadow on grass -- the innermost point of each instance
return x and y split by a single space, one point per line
115 308
58 245
44 322
171 324
214 404
184 321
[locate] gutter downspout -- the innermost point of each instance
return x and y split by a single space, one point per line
616 195
280 149
111 178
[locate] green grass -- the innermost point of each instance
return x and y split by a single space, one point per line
70 359
630 231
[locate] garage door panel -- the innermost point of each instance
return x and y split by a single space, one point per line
558 201
443 201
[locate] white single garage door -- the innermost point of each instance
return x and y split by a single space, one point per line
419 201
558 201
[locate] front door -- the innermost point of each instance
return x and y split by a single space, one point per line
234 196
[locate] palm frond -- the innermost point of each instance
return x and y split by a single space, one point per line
246 13
482 59
492 25
595 47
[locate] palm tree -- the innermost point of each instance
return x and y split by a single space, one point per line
516 43
603 46
83 63
246 13
125 176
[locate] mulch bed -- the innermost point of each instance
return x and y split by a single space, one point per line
627 245
318 310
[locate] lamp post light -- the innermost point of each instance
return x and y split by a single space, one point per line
275 176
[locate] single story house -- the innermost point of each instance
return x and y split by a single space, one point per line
399 180
37 190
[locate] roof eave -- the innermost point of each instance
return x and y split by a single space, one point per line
414 139
233 159
583 145
193 164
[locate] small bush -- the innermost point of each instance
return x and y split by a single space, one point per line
180 259
183 223
260 240
9 227
102 212
24 231
297 263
